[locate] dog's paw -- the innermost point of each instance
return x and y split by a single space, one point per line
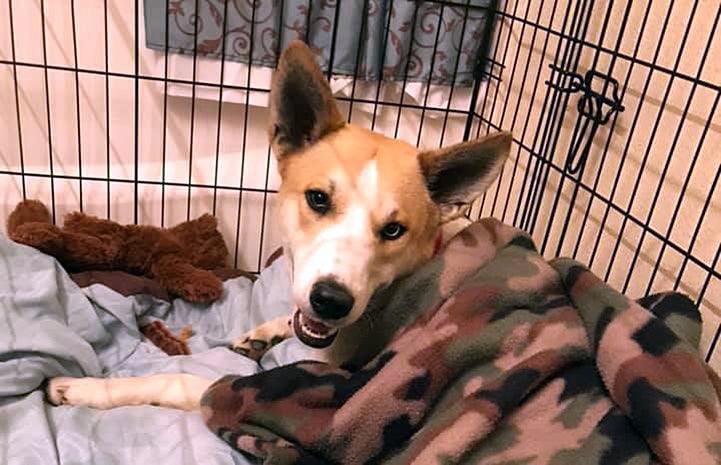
257 342
89 392
254 346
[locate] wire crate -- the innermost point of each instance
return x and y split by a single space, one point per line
613 106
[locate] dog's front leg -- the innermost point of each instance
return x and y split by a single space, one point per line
178 391
258 341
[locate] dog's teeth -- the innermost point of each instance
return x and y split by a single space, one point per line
310 332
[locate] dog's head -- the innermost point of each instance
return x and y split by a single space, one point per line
358 209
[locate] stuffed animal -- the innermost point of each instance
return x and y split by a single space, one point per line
159 334
178 258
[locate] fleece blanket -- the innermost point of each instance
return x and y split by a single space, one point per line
55 324
497 357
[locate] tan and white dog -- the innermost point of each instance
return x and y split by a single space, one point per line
357 211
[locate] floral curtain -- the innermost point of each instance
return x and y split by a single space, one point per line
417 40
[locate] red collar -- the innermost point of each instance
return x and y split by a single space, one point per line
438 243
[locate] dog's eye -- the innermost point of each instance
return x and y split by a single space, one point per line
392 231
318 201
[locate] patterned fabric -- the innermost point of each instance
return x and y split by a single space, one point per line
358 29
501 358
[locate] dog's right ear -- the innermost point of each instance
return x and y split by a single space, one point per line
302 107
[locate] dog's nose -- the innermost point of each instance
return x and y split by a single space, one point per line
330 300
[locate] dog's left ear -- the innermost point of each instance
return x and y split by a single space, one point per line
302 106
457 175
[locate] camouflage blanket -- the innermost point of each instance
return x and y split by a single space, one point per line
497 357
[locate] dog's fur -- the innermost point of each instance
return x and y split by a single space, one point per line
370 181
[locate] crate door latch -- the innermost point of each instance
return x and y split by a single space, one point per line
599 100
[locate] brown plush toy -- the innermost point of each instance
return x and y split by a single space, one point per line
178 258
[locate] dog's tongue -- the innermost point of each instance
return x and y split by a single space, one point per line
311 332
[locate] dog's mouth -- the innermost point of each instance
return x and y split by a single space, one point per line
311 332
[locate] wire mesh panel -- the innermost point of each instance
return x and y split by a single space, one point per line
614 108
148 130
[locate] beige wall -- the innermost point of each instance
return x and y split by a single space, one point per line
514 109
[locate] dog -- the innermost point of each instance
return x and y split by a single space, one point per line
357 211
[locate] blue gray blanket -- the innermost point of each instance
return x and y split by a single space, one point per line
49 326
